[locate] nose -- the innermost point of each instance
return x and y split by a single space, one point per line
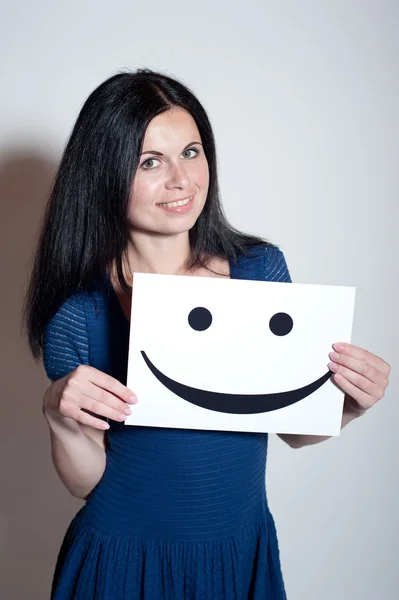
177 177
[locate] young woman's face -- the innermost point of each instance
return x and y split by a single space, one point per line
172 169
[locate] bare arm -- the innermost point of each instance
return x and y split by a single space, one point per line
299 441
78 438
77 458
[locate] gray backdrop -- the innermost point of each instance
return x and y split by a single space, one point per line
303 97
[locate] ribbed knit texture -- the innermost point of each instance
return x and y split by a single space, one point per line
178 514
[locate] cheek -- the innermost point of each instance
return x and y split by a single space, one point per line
200 176
140 196
204 177
143 192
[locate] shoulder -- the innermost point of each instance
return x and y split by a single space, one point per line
276 268
66 343
263 262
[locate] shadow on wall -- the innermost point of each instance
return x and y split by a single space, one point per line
35 508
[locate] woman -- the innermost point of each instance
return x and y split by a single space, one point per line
169 513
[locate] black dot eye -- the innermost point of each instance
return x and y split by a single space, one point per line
281 324
200 318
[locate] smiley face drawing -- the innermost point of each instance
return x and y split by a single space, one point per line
236 354
200 319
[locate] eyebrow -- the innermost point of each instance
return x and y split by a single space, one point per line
160 153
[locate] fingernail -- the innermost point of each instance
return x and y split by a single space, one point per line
132 400
332 366
334 356
122 417
128 410
338 347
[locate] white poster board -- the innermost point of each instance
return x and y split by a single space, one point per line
236 355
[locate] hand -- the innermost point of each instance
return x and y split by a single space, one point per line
88 389
361 375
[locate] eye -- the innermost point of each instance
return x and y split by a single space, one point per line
200 318
281 324
191 150
149 160
152 160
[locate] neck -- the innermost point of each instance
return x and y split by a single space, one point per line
162 254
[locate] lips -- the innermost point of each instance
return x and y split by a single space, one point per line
176 200
181 199
239 404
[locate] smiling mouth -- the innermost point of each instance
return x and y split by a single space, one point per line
239 404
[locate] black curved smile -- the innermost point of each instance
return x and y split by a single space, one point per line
239 404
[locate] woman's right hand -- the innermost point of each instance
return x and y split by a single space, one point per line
88 389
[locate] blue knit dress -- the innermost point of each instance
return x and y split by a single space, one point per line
178 514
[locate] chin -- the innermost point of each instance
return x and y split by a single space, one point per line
164 229
176 229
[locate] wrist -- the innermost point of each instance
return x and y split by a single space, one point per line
60 425
55 420
49 406
349 415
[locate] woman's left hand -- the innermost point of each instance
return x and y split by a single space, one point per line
361 375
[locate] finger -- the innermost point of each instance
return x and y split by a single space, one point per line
363 399
358 388
81 392
362 354
80 416
358 380
99 408
108 383
358 365
102 402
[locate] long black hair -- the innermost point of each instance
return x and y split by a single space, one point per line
85 226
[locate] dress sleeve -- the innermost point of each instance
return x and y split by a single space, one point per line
66 344
276 268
